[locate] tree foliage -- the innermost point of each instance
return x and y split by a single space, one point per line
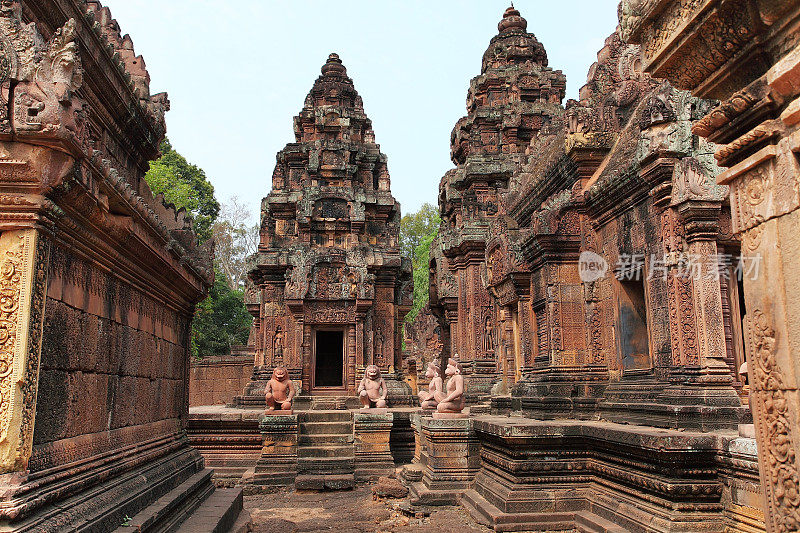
414 227
235 239
418 230
186 186
221 320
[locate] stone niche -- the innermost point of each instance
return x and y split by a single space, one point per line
99 281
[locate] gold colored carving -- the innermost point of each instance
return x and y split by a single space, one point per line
24 258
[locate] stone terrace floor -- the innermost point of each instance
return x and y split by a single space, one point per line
348 512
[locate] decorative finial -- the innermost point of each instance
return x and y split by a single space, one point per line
512 20
333 66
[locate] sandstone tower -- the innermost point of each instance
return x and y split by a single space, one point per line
513 98
330 286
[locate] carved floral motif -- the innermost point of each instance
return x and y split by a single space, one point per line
782 477
10 291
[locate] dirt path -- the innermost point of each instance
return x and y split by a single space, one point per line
348 512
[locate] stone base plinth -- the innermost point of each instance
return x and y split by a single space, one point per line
449 416
678 406
371 436
567 475
374 410
277 465
448 453
228 439
160 480
278 412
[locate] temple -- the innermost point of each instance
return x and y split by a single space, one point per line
514 97
587 277
329 288
610 342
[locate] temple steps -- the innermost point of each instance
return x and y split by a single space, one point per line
325 455
588 522
326 428
217 514
194 505
324 439
324 451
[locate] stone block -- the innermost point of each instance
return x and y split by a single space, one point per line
371 440
449 455
277 465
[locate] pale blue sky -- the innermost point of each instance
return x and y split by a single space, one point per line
237 72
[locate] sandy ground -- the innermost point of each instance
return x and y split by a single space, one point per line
348 512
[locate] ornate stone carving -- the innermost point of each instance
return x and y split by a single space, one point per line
23 282
778 421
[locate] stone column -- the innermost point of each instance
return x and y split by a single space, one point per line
701 223
351 357
24 255
305 355
765 201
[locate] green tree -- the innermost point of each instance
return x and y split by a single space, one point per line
186 186
235 239
420 273
220 320
415 226
417 231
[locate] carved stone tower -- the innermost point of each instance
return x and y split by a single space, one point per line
514 97
331 287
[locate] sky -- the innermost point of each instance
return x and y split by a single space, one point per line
238 72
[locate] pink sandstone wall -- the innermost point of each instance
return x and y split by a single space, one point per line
216 380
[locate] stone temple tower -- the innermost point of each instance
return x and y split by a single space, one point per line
330 289
515 96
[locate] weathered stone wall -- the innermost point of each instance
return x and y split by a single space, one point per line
746 53
99 279
218 380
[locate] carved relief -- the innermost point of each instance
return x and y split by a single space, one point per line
783 484
23 283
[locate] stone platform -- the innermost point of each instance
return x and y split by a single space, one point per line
446 458
316 449
228 439
568 475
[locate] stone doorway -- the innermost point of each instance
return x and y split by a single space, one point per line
328 359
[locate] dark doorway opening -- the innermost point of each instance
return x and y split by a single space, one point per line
633 325
329 359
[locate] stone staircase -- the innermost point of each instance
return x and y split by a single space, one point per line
325 456
193 506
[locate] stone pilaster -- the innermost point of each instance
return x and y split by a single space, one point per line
764 192
278 463
24 257
373 457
